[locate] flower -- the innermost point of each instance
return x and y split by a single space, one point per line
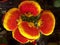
26 23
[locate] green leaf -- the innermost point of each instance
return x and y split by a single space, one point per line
57 3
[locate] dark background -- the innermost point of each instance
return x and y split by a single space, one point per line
46 5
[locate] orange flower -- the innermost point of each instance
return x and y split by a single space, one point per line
26 23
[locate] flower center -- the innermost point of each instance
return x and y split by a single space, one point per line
33 21
28 14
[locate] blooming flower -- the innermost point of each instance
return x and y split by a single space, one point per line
27 22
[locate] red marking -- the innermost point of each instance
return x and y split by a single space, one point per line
12 23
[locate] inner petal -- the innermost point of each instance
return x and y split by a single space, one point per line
28 32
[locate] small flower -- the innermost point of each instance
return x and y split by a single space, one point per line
27 22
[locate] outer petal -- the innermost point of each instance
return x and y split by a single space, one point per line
28 32
48 23
10 19
17 36
30 7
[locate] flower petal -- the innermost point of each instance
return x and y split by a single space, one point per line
30 7
48 23
28 32
17 36
10 19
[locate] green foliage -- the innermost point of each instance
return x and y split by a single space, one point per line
31 19
57 3
3 40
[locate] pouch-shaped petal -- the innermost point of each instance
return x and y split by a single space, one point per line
28 32
48 23
30 7
17 36
10 19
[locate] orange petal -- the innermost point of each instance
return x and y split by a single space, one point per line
28 32
17 36
30 7
48 23
10 19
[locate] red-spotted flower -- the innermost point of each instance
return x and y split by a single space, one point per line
27 22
